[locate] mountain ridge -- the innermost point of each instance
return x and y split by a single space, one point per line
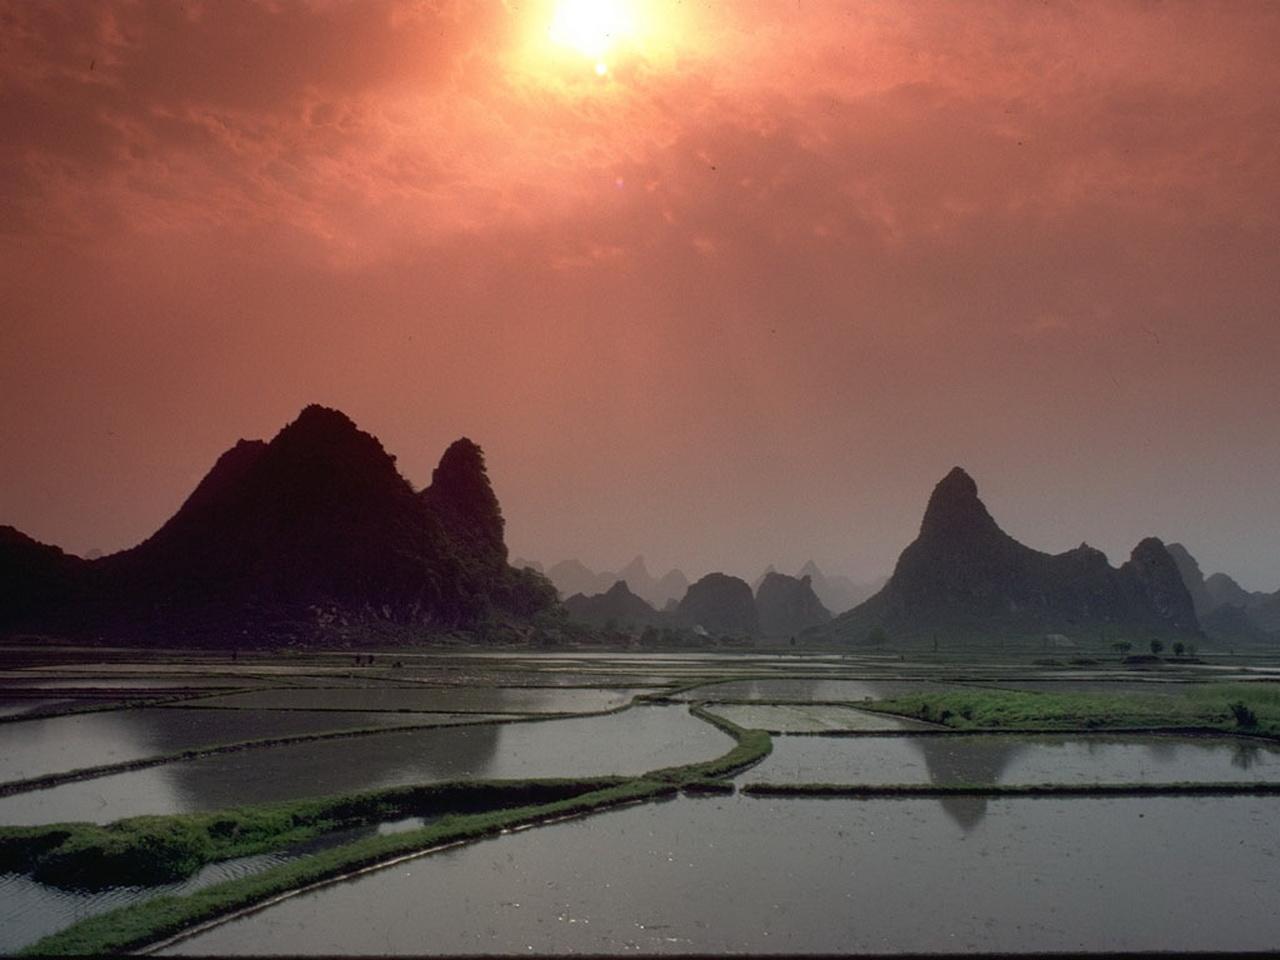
310 536
964 577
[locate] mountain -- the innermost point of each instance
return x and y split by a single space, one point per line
788 605
1225 609
720 604
755 584
314 535
617 606
834 591
1266 614
837 592
670 588
964 577
1222 589
573 576
1193 579
33 576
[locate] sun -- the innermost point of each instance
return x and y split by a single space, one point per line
593 28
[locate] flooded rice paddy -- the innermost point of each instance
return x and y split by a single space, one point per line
809 689
720 874
1009 759
59 744
640 739
815 876
442 699
809 718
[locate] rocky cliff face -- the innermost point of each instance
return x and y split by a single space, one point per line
965 577
720 604
788 605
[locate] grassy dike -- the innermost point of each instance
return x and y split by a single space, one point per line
161 849
1239 708
273 826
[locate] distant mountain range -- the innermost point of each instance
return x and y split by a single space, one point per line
312 536
575 577
717 605
963 578
837 592
572 576
1226 610
315 537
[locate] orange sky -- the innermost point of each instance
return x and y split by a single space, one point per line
741 300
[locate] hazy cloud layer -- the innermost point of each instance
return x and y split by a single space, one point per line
741 301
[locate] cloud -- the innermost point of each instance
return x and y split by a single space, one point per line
854 236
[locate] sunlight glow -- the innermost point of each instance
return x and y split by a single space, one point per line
592 27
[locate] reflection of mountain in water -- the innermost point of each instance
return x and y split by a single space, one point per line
335 766
1244 754
978 761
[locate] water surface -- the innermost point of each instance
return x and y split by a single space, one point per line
1017 759
631 742
741 875
59 744
483 699
809 718
810 689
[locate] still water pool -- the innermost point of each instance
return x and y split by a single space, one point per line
34 748
742 875
1016 759
631 742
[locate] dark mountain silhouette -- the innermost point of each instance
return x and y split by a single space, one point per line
1226 610
836 592
964 577
721 605
1193 579
312 535
463 502
617 607
33 576
788 605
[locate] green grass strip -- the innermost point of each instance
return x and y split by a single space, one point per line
143 923
160 849
1252 709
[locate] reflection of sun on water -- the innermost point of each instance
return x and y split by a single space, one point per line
593 28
